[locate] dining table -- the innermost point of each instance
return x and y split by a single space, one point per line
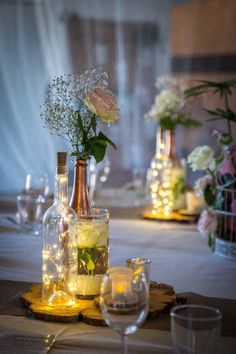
179 256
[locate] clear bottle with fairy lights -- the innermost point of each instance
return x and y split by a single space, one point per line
176 173
168 176
60 254
160 184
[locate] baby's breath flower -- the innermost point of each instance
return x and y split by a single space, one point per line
67 115
168 109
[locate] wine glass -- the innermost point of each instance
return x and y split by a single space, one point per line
37 185
30 211
124 301
98 174
104 170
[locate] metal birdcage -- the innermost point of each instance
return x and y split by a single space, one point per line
225 241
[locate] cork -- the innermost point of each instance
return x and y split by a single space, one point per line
61 162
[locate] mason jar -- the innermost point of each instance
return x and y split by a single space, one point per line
93 251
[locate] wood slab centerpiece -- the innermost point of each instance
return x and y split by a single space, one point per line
162 299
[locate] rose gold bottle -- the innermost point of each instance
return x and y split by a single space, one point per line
79 197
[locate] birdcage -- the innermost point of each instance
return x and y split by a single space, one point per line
225 240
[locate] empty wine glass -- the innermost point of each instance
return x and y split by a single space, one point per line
98 174
37 185
30 213
104 170
124 301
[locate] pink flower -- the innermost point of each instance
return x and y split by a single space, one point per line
201 183
207 223
103 103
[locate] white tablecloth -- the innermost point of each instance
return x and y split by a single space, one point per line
179 256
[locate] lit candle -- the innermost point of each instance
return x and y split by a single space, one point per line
121 284
122 291
195 203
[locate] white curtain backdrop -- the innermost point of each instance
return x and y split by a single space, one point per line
30 45
34 48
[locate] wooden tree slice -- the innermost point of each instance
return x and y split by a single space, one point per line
164 289
41 312
156 309
97 303
93 317
32 299
162 299
175 216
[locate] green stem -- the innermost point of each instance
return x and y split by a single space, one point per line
211 173
92 125
227 109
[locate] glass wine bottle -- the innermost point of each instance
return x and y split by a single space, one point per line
60 254
160 183
168 176
177 172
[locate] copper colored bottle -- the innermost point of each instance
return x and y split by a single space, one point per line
79 197
171 149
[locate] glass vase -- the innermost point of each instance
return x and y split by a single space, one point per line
177 171
93 251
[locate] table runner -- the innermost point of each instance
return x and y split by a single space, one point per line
10 304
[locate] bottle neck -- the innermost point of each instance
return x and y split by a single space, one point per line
164 139
166 145
172 146
61 187
79 197
162 142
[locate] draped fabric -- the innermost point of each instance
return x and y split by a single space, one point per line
134 40
29 47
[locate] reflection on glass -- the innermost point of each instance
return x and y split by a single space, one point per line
124 301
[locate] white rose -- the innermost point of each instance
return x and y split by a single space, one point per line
202 158
92 235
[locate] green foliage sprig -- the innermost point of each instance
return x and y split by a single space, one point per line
224 90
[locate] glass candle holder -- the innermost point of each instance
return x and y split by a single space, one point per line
140 265
93 251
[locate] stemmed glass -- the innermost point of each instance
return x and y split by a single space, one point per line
36 185
124 301
30 213
30 203
98 173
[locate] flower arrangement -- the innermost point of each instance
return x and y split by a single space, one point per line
221 168
76 107
168 172
202 159
169 108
